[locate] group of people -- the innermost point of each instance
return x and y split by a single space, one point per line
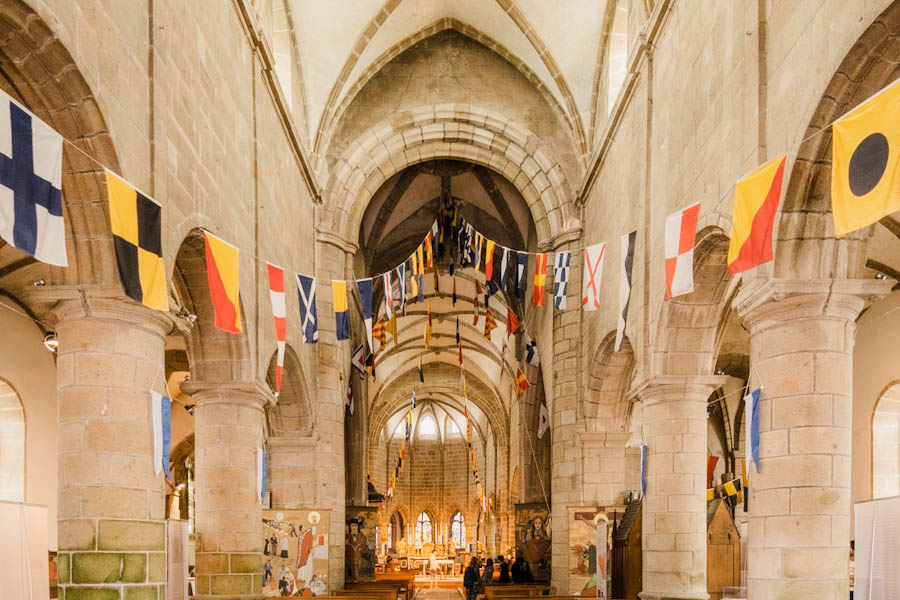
474 579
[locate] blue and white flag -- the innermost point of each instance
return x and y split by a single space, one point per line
561 278
643 470
161 415
521 265
531 351
261 467
349 405
309 319
31 216
401 280
751 419
543 421
365 303
504 267
414 399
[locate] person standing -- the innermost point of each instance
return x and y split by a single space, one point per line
267 571
283 580
471 580
521 570
434 568
283 546
503 566
487 578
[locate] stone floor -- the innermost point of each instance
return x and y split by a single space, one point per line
439 594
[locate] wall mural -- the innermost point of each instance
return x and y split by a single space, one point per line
295 548
533 538
583 549
359 548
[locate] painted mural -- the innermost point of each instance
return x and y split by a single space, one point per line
295 549
583 550
533 538
359 547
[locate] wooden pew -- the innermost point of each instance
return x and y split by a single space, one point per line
406 579
515 590
379 593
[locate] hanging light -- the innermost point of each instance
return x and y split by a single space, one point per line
50 341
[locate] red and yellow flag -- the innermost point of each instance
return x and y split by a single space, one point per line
521 383
223 263
489 323
429 251
379 332
540 279
756 200
512 322
488 259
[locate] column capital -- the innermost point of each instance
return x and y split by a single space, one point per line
769 301
72 302
229 392
327 237
567 236
667 388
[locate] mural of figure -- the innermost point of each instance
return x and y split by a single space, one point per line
537 541
354 549
305 542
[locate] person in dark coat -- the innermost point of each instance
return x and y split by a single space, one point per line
503 566
521 570
472 579
487 578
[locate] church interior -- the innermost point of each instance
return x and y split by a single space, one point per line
353 298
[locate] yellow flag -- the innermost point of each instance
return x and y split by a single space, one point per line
865 168
223 274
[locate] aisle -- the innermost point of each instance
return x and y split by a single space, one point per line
439 594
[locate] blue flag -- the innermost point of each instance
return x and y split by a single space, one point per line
751 406
365 303
309 320
643 470
161 414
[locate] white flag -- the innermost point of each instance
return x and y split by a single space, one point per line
593 272
543 421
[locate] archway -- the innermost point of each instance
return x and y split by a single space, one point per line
12 445
886 444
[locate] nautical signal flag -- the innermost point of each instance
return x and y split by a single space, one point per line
428 326
365 302
512 322
223 262
401 281
865 166
489 323
136 224
710 494
756 200
279 315
358 361
531 352
540 279
561 279
504 267
521 265
543 421
31 216
681 230
732 490
261 469
379 333
391 327
341 311
421 371
489 260
475 296
161 415
388 295
593 273
521 383
627 244
751 418
309 315
429 251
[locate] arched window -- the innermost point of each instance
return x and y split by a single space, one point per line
428 428
424 529
454 428
12 445
395 529
886 444
458 529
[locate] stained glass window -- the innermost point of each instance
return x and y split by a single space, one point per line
458 530
424 529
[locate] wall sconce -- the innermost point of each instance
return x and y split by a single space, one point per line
50 341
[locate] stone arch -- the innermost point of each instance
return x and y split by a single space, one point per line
886 443
448 131
609 379
514 488
214 355
38 70
806 246
690 326
292 414
12 442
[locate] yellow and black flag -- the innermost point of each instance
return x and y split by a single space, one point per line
865 170
732 490
137 233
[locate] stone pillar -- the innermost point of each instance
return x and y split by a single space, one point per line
292 472
674 509
228 429
565 482
801 353
111 504
603 460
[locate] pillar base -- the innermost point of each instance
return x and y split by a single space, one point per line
672 596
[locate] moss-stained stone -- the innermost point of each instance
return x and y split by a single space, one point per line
202 584
95 567
223 585
211 562
62 568
134 569
131 535
91 593
143 592
246 563
156 567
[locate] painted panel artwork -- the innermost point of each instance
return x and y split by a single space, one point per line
584 558
359 546
533 538
295 548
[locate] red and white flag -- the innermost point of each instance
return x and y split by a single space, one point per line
681 229
276 294
388 296
593 273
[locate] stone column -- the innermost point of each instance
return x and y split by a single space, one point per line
292 472
674 509
801 353
111 504
228 429
603 460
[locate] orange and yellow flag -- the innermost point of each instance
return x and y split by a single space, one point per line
428 329
540 279
223 263
756 200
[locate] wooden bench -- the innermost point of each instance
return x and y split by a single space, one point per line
515 590
404 579
380 593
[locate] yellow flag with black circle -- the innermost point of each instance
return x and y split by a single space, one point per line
865 169
136 224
